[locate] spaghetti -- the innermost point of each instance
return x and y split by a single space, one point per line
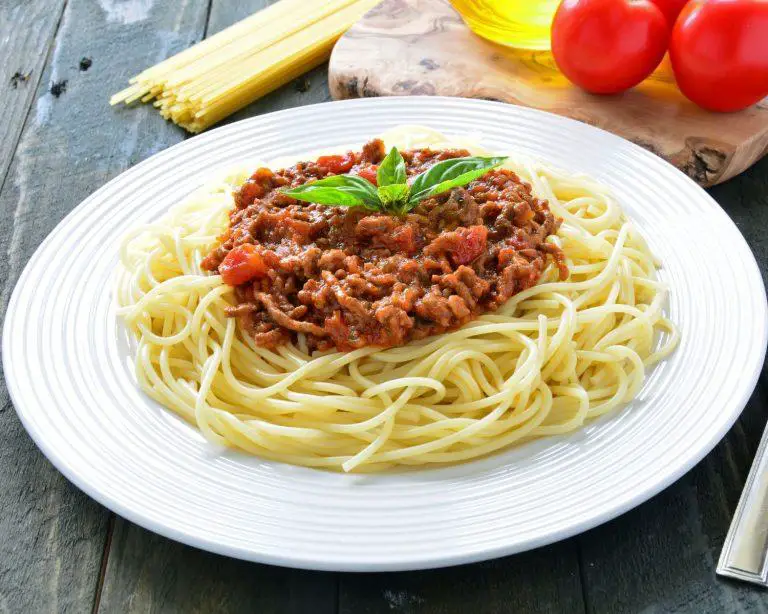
211 80
550 358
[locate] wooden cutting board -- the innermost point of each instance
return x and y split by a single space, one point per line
412 47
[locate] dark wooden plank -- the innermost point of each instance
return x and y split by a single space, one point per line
226 12
745 199
147 573
661 557
544 580
51 535
27 29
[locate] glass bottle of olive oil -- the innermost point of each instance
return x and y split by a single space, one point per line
523 24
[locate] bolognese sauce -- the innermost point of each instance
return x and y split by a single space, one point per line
349 278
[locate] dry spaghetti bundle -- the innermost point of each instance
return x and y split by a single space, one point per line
211 80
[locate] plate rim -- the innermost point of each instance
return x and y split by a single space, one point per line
431 560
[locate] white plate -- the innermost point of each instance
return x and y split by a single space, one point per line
70 374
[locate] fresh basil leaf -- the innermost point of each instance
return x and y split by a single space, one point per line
329 196
457 182
391 170
394 194
338 190
449 174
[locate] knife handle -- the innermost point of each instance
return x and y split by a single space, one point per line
745 551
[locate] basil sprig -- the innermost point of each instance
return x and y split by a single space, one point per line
391 170
394 194
338 191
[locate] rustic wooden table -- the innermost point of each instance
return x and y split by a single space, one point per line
61 552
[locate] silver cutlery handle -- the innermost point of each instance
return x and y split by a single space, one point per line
745 552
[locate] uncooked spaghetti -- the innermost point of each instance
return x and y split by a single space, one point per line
211 80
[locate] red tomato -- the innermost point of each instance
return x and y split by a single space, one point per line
242 264
608 46
472 245
337 164
369 173
404 239
719 53
670 8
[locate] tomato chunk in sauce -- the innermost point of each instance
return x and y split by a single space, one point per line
369 173
337 165
242 264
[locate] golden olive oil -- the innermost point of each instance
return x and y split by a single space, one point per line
523 24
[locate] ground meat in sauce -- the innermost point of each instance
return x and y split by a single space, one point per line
347 277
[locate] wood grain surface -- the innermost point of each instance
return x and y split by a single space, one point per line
544 580
28 26
148 574
61 552
422 47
